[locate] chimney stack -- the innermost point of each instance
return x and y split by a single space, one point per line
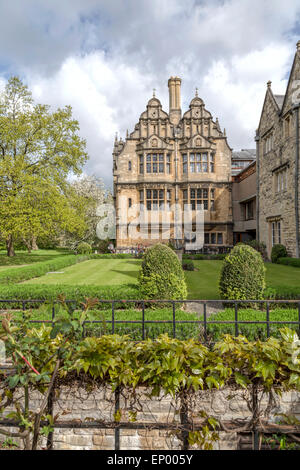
174 84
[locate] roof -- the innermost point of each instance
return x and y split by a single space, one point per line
279 100
244 154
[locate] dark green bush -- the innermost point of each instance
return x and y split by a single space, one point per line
278 251
84 249
289 261
102 246
161 275
242 275
188 265
200 256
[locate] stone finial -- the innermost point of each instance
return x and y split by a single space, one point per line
127 133
224 132
116 137
298 46
196 92
269 83
154 90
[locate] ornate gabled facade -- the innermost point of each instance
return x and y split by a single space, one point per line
168 160
277 139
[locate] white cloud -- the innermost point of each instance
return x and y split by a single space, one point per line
103 58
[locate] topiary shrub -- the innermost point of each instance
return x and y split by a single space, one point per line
84 248
242 275
278 251
259 246
161 275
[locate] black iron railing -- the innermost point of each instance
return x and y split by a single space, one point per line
172 325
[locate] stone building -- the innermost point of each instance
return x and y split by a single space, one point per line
277 140
244 204
172 159
241 159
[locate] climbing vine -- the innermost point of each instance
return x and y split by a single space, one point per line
44 358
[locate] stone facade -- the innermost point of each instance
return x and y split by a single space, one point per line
244 204
277 139
172 159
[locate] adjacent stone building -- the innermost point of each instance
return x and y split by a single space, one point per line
277 139
244 204
172 159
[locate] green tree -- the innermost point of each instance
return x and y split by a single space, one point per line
38 150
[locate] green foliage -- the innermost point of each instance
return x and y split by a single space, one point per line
289 261
39 149
163 366
84 249
259 246
200 256
102 246
161 275
188 265
255 330
278 251
78 293
242 275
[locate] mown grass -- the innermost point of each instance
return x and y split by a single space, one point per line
23 257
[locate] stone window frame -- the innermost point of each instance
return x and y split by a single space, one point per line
268 143
280 179
159 165
187 197
155 198
193 159
215 238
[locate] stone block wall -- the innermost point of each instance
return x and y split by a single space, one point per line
80 406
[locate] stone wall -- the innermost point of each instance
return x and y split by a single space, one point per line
80 406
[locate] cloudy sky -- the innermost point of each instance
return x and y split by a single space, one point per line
104 57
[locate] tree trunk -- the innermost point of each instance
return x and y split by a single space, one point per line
34 244
10 246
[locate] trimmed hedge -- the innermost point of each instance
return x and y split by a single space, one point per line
200 257
278 251
242 275
77 293
161 275
289 261
41 268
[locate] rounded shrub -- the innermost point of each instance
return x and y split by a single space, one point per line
242 275
188 265
84 248
161 275
278 251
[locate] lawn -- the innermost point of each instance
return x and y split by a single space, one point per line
202 284
101 272
23 257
